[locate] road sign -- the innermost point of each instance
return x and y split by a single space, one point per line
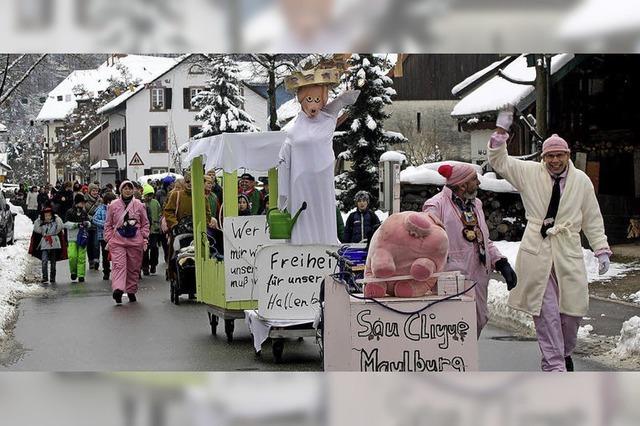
136 160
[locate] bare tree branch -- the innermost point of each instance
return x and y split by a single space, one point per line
8 68
4 79
5 96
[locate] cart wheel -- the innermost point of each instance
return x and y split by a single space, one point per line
176 295
228 329
278 348
213 321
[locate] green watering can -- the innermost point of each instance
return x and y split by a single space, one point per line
281 223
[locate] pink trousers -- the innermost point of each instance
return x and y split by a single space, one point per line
557 333
126 262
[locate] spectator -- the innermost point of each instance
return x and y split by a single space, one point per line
248 188
99 219
244 205
154 211
77 224
362 223
32 203
48 244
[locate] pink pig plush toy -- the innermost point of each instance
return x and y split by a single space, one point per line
407 243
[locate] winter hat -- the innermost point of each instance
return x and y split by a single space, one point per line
554 144
147 189
248 176
361 195
124 183
457 173
245 198
79 198
93 186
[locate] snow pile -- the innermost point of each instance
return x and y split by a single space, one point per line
393 156
15 209
15 263
427 174
635 297
629 341
23 227
502 315
583 331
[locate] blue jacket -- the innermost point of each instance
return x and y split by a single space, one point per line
99 218
359 226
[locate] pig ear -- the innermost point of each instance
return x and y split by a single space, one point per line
436 219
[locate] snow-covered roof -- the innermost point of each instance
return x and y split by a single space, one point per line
102 164
95 131
497 93
159 72
61 101
598 18
5 167
3 128
427 174
475 77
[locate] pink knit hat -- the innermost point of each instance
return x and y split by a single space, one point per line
457 173
554 144
126 182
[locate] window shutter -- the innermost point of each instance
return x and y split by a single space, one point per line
167 97
186 98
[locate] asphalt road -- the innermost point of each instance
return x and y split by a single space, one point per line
77 327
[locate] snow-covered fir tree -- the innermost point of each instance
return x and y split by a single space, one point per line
220 103
365 140
24 153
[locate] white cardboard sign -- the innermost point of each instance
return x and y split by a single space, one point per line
243 238
364 336
288 280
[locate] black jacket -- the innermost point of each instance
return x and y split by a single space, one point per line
359 226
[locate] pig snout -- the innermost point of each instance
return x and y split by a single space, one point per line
418 225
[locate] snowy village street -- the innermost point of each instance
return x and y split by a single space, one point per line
76 327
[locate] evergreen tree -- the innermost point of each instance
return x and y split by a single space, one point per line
365 140
221 103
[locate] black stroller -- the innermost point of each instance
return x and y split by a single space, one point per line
182 262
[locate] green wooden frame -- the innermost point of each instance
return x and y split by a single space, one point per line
210 276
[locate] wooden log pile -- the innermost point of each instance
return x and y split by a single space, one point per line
504 212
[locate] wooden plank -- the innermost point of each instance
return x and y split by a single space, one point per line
593 171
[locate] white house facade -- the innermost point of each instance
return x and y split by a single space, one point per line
148 124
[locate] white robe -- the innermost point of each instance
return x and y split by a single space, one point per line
305 173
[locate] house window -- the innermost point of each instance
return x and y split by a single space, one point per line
60 98
158 170
157 99
24 101
158 138
67 98
193 91
196 69
43 99
194 130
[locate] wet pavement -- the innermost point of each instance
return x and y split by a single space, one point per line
77 327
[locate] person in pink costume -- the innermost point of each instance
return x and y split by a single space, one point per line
560 202
126 231
470 250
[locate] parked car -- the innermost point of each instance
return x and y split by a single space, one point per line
7 222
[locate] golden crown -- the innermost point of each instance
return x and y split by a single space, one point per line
327 72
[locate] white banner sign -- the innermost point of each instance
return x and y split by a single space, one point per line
289 280
243 237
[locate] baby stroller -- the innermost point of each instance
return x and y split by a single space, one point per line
183 278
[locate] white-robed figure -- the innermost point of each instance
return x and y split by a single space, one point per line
306 163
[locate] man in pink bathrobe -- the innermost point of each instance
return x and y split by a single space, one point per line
470 249
126 231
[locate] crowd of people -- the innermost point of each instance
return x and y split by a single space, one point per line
120 227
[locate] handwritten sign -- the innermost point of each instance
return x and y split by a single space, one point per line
364 336
289 280
243 238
